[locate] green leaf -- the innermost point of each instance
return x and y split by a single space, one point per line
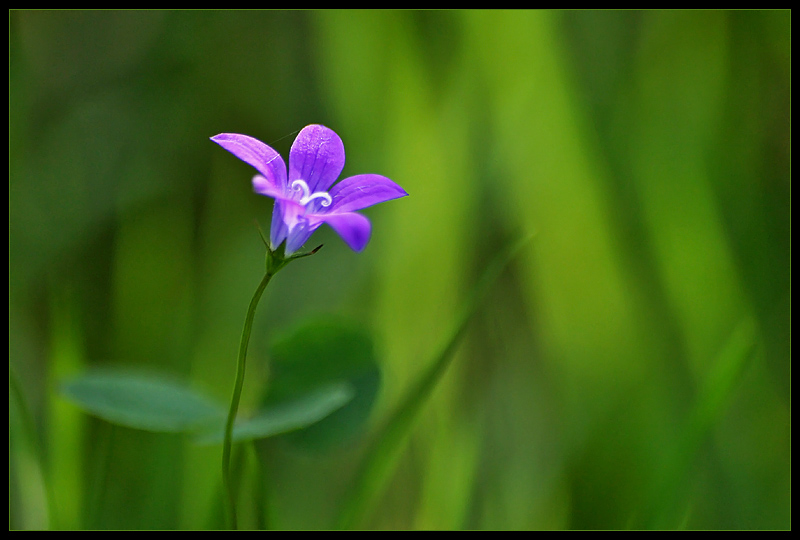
288 416
146 402
319 353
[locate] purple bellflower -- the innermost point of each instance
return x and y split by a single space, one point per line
304 199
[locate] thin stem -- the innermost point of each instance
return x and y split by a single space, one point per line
274 262
237 394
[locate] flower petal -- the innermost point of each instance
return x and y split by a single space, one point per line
361 191
354 229
298 237
316 157
257 154
263 186
290 224
278 229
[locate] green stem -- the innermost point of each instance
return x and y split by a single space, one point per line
237 394
275 261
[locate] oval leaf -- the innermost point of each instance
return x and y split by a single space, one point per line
318 353
145 402
289 416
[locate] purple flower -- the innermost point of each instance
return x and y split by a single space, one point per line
305 199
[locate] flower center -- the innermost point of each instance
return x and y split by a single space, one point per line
301 186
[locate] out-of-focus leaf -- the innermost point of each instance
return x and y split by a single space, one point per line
315 355
289 416
146 402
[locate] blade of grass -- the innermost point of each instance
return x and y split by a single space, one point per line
28 438
386 447
667 501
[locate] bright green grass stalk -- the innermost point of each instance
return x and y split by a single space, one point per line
666 504
381 458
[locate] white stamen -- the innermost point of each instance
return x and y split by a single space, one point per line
300 185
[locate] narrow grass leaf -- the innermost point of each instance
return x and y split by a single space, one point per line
380 459
667 501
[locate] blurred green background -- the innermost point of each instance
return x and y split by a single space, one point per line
630 369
